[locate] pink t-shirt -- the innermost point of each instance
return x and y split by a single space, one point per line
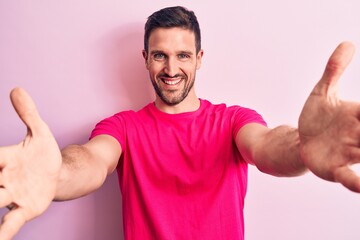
181 175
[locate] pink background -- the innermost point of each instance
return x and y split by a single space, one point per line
81 61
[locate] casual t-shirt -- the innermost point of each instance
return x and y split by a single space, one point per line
181 175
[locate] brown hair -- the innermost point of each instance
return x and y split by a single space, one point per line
173 17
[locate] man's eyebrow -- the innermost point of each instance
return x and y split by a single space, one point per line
186 52
152 52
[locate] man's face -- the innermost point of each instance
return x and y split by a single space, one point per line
172 62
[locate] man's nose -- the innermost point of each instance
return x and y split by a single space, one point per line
171 67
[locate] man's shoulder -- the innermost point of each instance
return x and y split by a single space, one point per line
131 112
208 105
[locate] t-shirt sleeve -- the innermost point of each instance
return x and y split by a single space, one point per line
113 126
243 116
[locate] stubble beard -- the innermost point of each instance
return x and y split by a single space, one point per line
170 97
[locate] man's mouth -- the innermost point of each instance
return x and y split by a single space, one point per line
171 82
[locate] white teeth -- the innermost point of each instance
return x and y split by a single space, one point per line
172 82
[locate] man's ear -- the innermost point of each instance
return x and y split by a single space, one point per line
145 56
199 58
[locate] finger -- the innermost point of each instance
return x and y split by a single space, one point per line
6 155
348 178
26 109
11 224
5 198
335 67
353 154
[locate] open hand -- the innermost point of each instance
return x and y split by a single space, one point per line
29 170
329 128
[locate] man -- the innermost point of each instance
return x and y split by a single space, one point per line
182 161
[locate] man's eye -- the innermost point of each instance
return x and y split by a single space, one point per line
159 56
183 56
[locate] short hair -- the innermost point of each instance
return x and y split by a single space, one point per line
173 17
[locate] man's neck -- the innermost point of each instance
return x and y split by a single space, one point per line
189 104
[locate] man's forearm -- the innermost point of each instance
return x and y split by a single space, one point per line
279 153
80 174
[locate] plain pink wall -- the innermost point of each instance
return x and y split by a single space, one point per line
81 61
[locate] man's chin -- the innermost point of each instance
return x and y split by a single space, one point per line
172 101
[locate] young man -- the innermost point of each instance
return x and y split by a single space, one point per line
182 161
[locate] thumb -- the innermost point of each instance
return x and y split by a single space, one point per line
26 109
335 67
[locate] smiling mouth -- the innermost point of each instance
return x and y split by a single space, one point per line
171 82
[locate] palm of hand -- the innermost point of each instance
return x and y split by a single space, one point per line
329 127
29 170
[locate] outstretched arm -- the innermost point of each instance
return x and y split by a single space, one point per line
35 172
272 151
85 167
327 140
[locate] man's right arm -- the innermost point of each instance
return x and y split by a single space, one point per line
35 172
85 167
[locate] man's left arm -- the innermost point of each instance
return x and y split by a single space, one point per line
272 151
327 141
